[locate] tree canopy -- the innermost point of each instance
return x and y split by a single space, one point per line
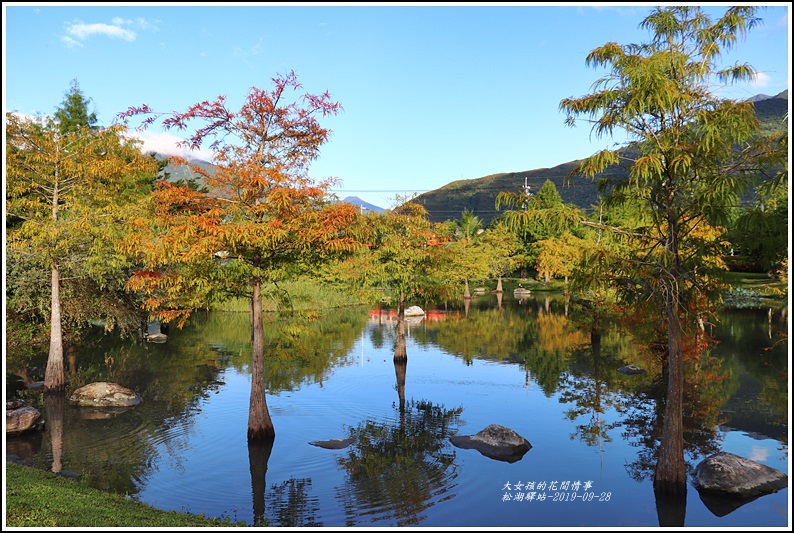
692 156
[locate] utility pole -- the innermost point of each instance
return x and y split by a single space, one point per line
527 194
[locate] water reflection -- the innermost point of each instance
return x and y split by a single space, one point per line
53 413
400 468
259 451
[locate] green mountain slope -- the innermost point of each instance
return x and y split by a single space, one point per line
479 194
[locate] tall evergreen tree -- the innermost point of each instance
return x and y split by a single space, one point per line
693 157
73 112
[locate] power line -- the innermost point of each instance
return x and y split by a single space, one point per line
381 190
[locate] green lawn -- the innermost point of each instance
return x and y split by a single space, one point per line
36 498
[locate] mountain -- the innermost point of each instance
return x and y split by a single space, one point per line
759 97
184 173
355 200
479 194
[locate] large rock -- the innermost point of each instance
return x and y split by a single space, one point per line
726 474
156 337
334 444
22 419
496 442
105 394
414 310
631 370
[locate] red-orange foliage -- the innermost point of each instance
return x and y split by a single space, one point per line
264 216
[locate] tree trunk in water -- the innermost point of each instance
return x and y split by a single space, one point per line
595 340
670 475
260 427
466 293
670 509
258 456
400 353
53 375
400 368
499 285
53 411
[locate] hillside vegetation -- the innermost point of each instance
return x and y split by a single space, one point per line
479 194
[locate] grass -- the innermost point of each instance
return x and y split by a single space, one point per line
303 296
37 498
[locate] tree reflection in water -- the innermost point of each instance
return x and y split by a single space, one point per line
54 403
286 504
398 468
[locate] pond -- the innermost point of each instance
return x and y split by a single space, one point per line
524 364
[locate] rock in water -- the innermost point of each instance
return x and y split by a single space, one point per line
727 474
631 370
496 442
414 310
22 419
334 444
105 394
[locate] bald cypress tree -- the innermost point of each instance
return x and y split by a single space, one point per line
691 155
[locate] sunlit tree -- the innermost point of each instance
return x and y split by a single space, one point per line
691 156
69 187
263 221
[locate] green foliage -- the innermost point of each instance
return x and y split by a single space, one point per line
695 155
73 115
684 166
405 253
70 187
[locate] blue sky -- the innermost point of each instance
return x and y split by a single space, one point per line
431 93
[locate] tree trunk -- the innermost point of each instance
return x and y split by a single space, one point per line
400 354
670 509
53 375
670 476
258 456
53 410
260 427
400 367
466 293
499 286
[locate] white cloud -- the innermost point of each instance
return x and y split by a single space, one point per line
84 31
71 43
167 144
761 80
119 28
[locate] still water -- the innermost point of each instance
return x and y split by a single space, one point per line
524 364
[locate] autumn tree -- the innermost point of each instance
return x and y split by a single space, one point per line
69 184
264 220
690 157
